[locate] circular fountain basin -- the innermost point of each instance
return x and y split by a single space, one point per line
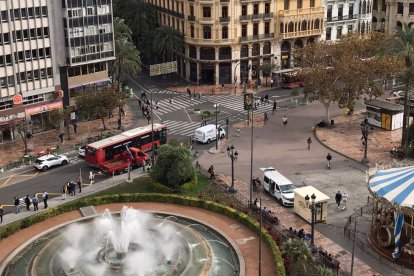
163 245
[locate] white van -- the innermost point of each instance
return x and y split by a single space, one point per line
208 133
278 186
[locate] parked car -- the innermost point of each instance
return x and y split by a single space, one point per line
45 162
81 151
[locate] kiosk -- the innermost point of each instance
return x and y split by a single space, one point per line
385 115
302 208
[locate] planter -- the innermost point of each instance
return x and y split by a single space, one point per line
196 111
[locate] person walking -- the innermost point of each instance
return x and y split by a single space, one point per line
139 103
17 205
338 198
266 98
156 105
265 119
328 159
1 214
79 182
199 95
274 106
75 128
72 188
91 177
262 101
309 142
45 197
171 102
64 191
211 172
285 120
149 118
344 200
27 202
61 137
35 202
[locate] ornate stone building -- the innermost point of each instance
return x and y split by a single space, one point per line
391 14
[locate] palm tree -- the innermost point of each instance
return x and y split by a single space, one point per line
299 253
121 30
323 271
402 45
167 42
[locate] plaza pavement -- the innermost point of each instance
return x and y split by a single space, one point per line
285 148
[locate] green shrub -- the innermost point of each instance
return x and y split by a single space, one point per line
206 113
189 186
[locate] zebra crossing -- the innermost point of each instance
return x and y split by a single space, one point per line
181 128
146 84
236 103
178 103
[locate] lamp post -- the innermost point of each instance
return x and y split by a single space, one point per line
235 77
365 132
245 77
233 154
152 132
217 131
129 173
227 128
313 209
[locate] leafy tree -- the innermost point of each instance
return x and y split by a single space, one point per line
299 253
267 69
402 45
167 42
57 117
22 127
173 166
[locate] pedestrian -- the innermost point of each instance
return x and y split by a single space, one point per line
199 95
309 142
202 121
205 121
148 118
344 200
80 184
262 102
274 106
171 102
27 202
271 82
72 188
119 123
17 205
156 105
91 177
266 98
139 103
64 191
265 117
35 202
211 172
45 197
61 137
194 94
189 92
1 214
122 109
338 198
75 127
328 159
285 120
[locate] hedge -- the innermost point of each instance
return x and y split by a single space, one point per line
190 185
152 197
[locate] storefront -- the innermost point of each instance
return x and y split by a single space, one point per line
385 115
40 116
6 130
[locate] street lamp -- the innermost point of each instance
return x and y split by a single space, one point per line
233 157
227 128
365 132
217 130
235 77
313 214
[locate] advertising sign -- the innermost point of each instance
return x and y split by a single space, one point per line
248 101
12 118
43 108
163 68
17 99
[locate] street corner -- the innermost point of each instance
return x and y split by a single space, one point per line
221 147
258 122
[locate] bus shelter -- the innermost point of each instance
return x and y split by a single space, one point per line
302 207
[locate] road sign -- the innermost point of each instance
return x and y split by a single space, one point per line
163 68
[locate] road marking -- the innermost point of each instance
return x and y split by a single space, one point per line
151 108
7 181
185 109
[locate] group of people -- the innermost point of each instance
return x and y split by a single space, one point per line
341 198
28 202
145 104
193 94
70 188
300 233
203 121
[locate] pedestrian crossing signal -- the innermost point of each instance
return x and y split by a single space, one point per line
248 101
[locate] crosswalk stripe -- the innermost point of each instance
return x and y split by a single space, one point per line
181 128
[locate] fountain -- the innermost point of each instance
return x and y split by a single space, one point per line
131 243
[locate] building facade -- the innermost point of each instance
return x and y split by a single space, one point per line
226 40
45 52
347 16
390 14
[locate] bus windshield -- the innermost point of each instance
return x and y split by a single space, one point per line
90 151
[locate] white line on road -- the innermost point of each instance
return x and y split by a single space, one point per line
188 115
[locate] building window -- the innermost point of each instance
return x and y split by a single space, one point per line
244 30
225 32
256 9
329 13
383 6
364 7
192 31
340 11
375 5
207 32
206 12
350 28
286 4
244 51
328 33
267 27
244 10
312 3
411 8
400 8
338 32
351 10
192 10
267 7
291 27
255 28
299 3
4 16
225 11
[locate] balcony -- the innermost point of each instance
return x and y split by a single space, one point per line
253 38
244 17
225 19
340 18
191 18
293 15
268 15
224 1
256 16
207 20
301 34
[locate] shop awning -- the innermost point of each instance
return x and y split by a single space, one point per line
395 185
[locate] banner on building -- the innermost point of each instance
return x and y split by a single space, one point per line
163 68
43 108
12 118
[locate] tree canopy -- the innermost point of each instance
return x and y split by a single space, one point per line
173 166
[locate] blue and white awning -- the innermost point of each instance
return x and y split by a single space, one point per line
395 185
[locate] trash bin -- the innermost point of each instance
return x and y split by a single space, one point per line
332 122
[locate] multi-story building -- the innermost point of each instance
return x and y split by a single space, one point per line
43 58
224 37
391 14
342 17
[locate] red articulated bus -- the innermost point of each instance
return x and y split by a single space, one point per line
291 80
100 152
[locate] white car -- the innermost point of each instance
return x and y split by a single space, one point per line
44 162
81 151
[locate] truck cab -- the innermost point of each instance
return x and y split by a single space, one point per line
278 186
134 158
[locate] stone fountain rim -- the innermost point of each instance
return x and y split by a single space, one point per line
12 255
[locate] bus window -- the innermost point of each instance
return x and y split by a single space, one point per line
156 135
163 138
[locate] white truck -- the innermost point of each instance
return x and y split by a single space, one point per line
278 186
208 133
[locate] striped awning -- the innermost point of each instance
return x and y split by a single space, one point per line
395 185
